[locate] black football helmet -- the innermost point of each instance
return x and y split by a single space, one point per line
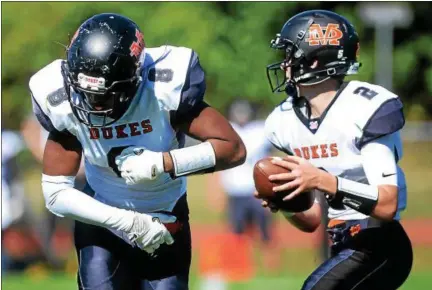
102 69
317 45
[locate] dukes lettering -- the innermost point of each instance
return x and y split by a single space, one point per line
317 151
121 131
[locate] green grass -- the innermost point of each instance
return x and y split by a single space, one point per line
417 281
297 264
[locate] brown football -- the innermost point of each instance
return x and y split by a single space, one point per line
262 170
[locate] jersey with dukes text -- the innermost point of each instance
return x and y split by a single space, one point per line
173 84
360 113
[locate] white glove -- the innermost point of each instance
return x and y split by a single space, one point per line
137 164
148 232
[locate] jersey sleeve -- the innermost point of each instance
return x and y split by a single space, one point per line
379 159
41 116
176 78
379 111
192 92
49 98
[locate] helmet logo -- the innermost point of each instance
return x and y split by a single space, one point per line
138 45
92 83
328 35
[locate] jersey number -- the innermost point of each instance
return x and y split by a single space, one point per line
365 92
57 97
112 154
160 75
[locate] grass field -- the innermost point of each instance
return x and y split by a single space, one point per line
417 281
297 264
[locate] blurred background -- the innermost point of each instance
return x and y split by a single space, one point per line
232 40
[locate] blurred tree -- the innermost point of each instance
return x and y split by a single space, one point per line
232 39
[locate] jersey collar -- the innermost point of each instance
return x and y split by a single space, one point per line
313 124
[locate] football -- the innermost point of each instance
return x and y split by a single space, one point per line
262 170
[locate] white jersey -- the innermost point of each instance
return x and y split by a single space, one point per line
11 144
360 113
147 123
237 181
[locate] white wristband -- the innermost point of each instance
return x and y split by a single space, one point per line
192 159
365 191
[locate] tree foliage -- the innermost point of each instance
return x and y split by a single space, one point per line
231 38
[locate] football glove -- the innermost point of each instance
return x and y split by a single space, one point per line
148 232
137 164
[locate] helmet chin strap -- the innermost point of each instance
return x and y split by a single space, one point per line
291 88
315 83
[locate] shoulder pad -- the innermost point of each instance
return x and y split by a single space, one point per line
50 102
164 71
378 112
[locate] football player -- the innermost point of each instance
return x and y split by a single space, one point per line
126 108
342 140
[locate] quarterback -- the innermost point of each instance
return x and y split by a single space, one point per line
126 108
342 140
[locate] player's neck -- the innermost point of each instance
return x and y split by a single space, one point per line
319 96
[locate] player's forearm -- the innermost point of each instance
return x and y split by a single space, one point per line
327 182
386 207
377 201
229 153
65 201
211 127
306 221
222 154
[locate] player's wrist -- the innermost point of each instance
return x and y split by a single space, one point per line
327 182
192 159
168 163
158 161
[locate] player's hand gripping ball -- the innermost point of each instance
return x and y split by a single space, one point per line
262 170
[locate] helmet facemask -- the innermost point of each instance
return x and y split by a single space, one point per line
94 104
293 55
